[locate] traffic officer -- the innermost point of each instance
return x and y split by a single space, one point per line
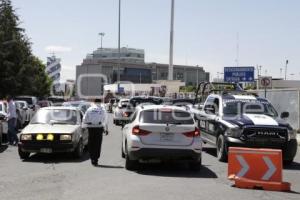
95 120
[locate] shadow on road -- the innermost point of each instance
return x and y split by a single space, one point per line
174 170
110 166
3 148
292 166
210 150
57 158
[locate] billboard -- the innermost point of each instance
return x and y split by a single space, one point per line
239 74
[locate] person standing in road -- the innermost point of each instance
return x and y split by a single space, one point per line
95 120
12 122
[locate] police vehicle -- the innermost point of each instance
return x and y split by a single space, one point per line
230 117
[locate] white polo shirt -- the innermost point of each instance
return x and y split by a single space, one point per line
95 117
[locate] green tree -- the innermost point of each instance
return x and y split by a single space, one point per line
20 71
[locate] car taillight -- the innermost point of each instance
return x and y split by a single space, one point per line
137 131
126 114
195 133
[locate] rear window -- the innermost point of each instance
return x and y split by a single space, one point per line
28 100
166 117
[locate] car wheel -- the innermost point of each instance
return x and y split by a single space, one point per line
23 155
195 165
221 149
130 164
79 149
123 154
288 162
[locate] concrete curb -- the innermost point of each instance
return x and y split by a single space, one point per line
298 138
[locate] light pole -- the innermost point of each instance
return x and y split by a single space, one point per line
286 63
101 35
171 42
119 40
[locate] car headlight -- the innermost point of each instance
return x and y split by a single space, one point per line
292 134
50 137
26 137
234 132
65 137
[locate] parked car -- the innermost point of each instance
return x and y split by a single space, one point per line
81 105
163 133
118 112
112 103
32 103
134 102
3 122
54 129
24 110
44 103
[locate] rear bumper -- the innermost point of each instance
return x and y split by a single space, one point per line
165 154
289 149
56 147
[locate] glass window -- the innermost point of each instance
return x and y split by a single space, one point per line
166 117
55 116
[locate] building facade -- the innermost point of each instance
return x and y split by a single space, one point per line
132 68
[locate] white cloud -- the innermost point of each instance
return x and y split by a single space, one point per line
57 49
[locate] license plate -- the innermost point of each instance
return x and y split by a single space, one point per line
46 150
166 137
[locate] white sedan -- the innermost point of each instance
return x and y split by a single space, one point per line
118 117
54 129
159 132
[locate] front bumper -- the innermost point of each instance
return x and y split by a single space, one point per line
289 149
53 146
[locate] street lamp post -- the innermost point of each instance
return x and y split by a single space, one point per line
101 35
170 77
119 42
286 63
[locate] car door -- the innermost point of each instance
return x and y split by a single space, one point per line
207 122
126 131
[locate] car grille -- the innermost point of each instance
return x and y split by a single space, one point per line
265 134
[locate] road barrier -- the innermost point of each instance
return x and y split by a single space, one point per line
256 169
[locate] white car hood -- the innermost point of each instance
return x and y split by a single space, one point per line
47 128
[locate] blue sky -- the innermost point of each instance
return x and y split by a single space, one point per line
205 31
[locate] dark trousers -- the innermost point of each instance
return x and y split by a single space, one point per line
12 133
95 142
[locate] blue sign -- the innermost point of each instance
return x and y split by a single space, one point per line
121 90
239 74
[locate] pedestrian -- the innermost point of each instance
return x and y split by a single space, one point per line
95 121
12 121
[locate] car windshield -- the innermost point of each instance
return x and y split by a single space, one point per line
233 108
22 104
166 117
55 116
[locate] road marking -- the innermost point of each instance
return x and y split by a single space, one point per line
245 166
272 169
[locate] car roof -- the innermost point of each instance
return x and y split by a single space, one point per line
151 107
59 108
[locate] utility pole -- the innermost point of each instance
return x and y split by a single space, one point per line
101 35
286 63
171 42
119 42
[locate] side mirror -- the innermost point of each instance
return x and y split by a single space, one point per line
209 109
285 115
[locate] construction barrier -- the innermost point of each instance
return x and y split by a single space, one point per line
256 168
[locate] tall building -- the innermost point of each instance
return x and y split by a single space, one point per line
132 68
53 69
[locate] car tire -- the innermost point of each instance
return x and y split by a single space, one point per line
288 162
221 149
195 165
78 152
130 164
23 155
122 154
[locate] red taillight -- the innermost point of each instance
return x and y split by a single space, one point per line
137 131
195 133
126 114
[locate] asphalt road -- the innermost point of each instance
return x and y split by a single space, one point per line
61 177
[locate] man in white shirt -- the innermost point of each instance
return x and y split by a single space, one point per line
12 121
95 119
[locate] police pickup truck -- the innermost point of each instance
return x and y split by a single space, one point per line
239 119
